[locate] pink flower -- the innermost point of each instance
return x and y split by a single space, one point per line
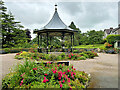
68 70
20 84
44 77
74 73
58 65
22 81
62 64
74 69
66 76
69 56
34 68
63 81
46 74
69 80
64 72
60 85
22 74
44 81
71 73
21 51
59 78
55 71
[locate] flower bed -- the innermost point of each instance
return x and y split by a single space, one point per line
31 75
55 57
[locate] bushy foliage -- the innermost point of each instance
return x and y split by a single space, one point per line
32 75
91 54
111 39
55 57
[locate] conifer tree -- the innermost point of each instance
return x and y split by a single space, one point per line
12 32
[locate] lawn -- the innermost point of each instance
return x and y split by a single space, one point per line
90 46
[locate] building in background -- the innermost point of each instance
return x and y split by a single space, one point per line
111 31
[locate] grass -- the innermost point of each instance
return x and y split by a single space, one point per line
90 46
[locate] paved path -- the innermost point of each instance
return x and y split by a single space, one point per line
103 69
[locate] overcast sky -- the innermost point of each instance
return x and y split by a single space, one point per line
86 15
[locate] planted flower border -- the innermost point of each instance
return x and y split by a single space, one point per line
31 75
54 57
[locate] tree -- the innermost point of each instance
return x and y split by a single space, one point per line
111 39
28 35
95 37
77 35
12 32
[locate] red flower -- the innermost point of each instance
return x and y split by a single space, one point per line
59 78
21 51
21 82
59 82
64 72
69 56
34 68
60 85
55 71
68 70
72 67
69 80
74 73
49 62
46 74
72 54
44 81
63 81
58 65
31 57
71 73
17 54
47 80
22 74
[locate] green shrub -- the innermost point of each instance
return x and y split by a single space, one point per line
59 58
62 56
31 75
82 58
83 54
76 51
90 54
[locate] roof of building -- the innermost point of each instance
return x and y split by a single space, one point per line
56 24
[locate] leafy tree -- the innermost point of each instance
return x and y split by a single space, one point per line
95 37
28 35
12 32
77 35
111 39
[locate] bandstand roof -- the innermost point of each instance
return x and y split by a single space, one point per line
55 25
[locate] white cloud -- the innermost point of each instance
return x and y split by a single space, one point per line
85 15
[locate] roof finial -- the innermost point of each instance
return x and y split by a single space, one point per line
55 7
